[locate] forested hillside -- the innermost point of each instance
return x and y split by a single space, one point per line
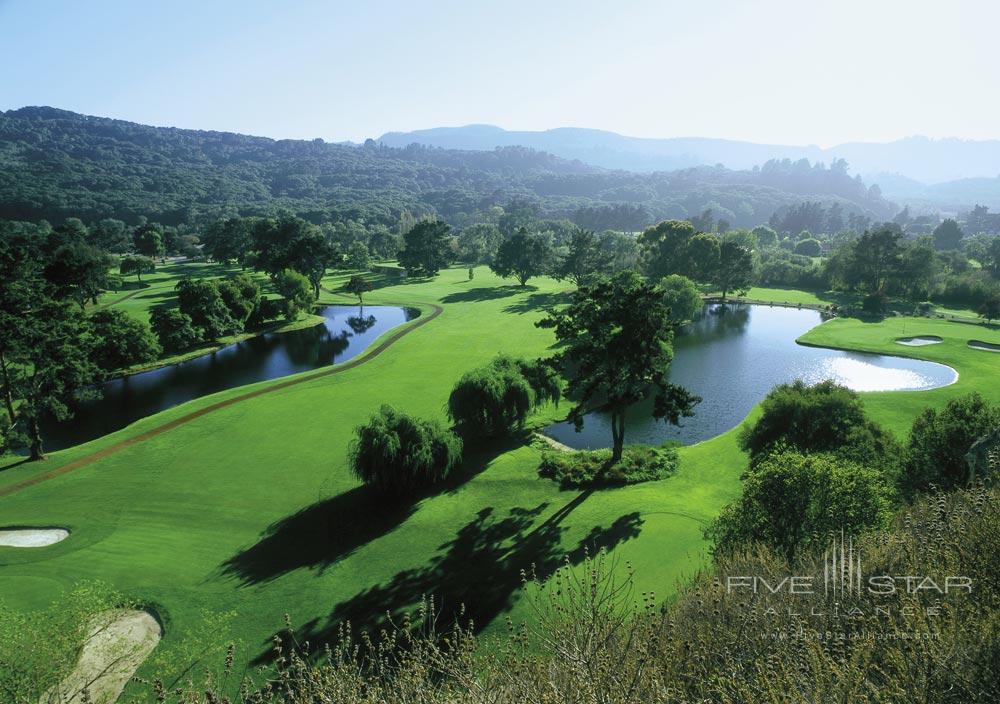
56 164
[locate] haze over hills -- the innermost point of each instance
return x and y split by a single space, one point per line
920 159
56 164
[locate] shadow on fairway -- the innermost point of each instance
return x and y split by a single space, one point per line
474 575
321 534
486 293
318 535
539 301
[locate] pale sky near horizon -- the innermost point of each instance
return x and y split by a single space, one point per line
776 71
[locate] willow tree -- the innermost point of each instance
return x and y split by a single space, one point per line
617 341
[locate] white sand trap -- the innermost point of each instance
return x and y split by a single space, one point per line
118 643
32 537
919 340
985 346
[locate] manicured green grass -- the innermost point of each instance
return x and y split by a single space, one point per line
978 370
157 289
166 520
252 509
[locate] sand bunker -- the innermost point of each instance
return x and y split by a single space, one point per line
986 346
118 643
31 537
919 340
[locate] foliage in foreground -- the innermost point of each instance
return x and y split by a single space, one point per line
399 454
594 468
591 638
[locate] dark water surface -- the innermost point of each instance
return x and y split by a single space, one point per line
346 332
733 356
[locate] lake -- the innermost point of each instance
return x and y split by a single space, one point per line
346 332
732 356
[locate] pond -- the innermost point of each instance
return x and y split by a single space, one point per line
733 356
346 332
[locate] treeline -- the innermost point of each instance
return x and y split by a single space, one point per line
884 263
56 164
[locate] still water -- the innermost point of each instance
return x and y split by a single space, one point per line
732 356
345 333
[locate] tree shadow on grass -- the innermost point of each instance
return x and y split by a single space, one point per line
539 301
486 293
474 576
319 535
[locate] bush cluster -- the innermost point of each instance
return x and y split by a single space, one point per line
593 468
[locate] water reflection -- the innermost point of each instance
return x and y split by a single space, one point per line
345 332
733 355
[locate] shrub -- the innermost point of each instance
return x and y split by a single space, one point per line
494 400
824 417
939 441
399 454
593 468
791 499
174 329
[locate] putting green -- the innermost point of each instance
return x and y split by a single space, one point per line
250 508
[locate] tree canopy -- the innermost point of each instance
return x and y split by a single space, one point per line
617 340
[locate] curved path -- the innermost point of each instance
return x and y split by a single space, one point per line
188 417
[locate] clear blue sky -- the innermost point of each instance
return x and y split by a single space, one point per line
785 71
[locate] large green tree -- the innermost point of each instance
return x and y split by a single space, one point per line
874 259
229 239
121 341
682 297
664 248
583 257
295 289
289 242
617 341
50 367
426 248
149 240
736 265
948 235
523 255
137 265
78 271
202 301
478 244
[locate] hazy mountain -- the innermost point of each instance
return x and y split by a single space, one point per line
949 196
56 164
925 160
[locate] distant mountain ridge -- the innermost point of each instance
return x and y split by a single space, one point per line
919 158
56 164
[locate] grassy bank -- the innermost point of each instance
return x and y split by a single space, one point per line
251 509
